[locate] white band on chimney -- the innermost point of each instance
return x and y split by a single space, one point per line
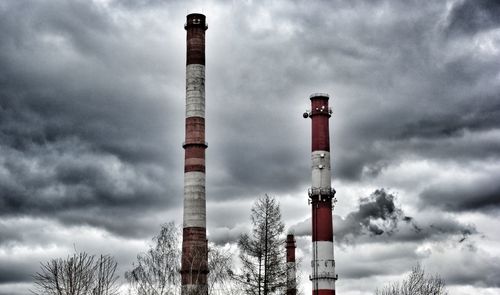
323 267
195 90
194 199
321 171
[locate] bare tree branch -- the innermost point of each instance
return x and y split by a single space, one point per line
79 274
156 271
417 283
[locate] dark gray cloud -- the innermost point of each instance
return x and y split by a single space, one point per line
379 218
410 83
17 270
82 137
379 206
472 16
481 194
398 89
478 117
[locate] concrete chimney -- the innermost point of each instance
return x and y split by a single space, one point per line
194 264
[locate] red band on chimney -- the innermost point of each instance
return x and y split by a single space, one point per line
194 256
320 130
322 228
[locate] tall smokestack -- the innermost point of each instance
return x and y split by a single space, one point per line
291 280
322 196
194 268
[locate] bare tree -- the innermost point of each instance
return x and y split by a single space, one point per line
417 283
105 280
262 252
221 277
79 274
157 270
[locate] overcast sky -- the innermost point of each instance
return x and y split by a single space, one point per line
92 98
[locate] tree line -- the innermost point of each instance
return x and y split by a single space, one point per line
157 271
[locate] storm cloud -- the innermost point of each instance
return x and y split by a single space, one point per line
379 218
482 194
470 17
75 141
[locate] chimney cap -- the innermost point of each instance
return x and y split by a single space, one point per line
196 14
194 20
314 95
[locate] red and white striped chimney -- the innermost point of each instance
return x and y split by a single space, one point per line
291 279
194 264
322 196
